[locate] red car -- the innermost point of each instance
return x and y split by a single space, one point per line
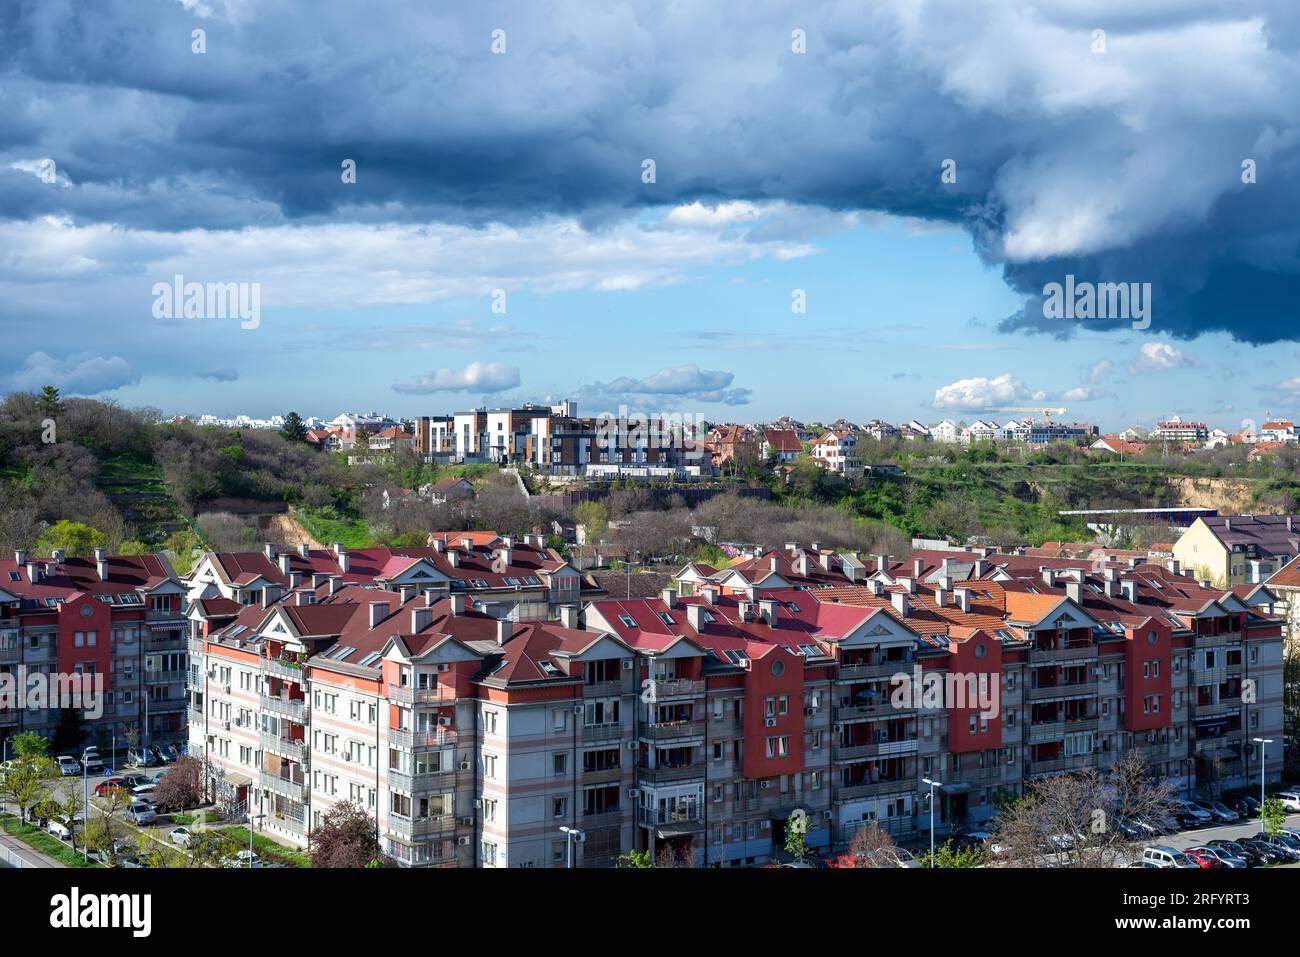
1205 860
108 785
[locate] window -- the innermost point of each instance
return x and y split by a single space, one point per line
489 854
560 762
559 807
489 721
490 766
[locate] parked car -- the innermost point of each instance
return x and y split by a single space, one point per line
60 828
1290 799
133 781
126 852
250 859
181 837
1235 849
68 765
1269 853
144 790
1219 812
1131 831
141 812
141 757
1162 856
1243 805
110 784
166 754
1187 811
1220 857
91 760
1288 848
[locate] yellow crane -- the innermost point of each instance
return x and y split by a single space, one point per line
1046 412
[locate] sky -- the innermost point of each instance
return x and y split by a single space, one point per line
732 211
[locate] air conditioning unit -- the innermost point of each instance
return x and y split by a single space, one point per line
769 722
633 792
628 664
225 689
464 765
577 709
809 712
764 785
828 815
838 728
478 804
463 841
764 825
226 725
443 667
444 722
632 745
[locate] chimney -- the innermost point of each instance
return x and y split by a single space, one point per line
378 612
962 598
875 585
269 595
709 593
345 561
334 583
900 602
772 563
295 579
1111 586
1132 563
981 568
303 550
504 629
918 566
337 548
1110 574
101 564
882 562
668 597
302 598
909 585
458 604
453 559
792 547
439 545
745 610
467 543
421 618
1175 567
569 616
34 571
943 567
1227 524
1128 588
407 592
825 560
945 583
56 554
268 549
1074 592
506 555
803 563
695 616
767 611
815 546
941 597
284 564
1049 576
1289 527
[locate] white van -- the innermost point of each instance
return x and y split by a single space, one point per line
1161 856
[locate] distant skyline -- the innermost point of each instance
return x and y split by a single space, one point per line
501 243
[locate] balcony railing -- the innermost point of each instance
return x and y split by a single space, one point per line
283 669
871 749
415 740
603 776
605 689
8 655
427 782
1075 689
410 695
286 748
670 775
676 688
287 787
196 715
673 730
420 826
1075 763
1228 706
1046 730
991 773
196 646
606 819
876 709
611 731
884 669
293 708
852 792
1066 653
688 818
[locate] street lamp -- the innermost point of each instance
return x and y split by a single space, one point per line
1263 746
85 812
572 835
251 818
933 785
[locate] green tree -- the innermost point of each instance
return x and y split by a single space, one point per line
29 744
27 782
75 538
638 859
949 855
1272 816
294 429
796 826
49 403
595 518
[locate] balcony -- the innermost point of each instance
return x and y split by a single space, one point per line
671 820
974 775
606 689
295 709
1052 765
880 708
294 750
166 642
886 669
1217 708
427 782
418 740
660 776
610 731
1048 730
1066 653
603 776
874 749
590 822
285 670
1078 689
196 647
196 715
406 827
673 730
163 619
852 792
285 787
676 688
438 694
10 655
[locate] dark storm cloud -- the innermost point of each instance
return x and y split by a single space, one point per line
1122 165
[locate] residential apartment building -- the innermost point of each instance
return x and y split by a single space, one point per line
1174 429
838 453
115 618
1238 549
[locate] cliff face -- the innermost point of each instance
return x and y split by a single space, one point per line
1229 496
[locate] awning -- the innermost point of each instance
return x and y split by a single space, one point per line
234 779
958 787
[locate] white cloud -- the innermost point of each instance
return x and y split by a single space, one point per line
1078 394
978 393
476 377
1159 356
688 382
1100 370
79 374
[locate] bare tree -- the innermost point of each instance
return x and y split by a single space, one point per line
873 846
